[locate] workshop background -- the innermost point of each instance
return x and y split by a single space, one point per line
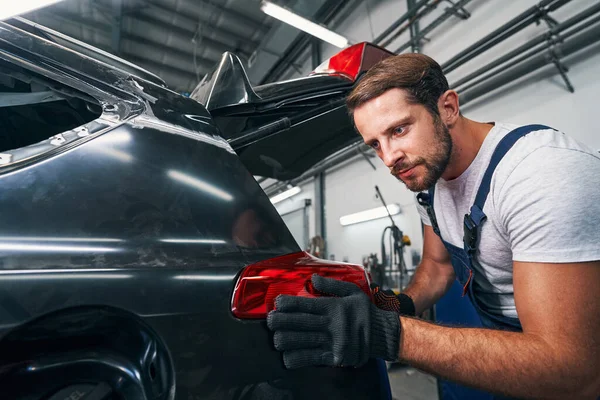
182 40
540 96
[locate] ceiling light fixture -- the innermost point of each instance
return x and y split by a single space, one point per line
285 195
11 9
303 24
368 215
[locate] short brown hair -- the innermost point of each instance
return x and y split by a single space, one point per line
419 75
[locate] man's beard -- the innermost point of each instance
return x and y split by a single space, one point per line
435 165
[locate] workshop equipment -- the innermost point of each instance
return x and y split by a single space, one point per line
398 241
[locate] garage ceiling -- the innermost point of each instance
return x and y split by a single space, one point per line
179 40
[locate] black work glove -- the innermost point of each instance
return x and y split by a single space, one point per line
338 331
389 301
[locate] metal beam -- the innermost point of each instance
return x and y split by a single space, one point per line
551 34
216 44
244 19
316 53
204 63
574 41
74 19
184 34
320 210
155 66
411 11
449 12
512 27
419 14
414 27
103 29
225 33
117 15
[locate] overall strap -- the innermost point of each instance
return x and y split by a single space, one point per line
426 200
476 216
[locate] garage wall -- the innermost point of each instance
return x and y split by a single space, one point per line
538 98
297 202
351 189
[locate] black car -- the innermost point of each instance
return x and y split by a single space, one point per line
138 255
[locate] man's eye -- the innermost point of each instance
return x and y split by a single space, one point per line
399 130
375 145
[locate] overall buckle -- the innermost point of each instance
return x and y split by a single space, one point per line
471 234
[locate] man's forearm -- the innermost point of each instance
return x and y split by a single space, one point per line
514 364
428 285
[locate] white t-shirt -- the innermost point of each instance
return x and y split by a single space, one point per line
543 206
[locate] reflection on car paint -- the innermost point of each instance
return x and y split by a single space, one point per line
28 248
145 121
199 184
194 241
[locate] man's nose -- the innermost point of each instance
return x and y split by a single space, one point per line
389 157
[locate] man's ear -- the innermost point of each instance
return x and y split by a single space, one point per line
448 106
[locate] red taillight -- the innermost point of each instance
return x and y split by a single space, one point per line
353 60
259 284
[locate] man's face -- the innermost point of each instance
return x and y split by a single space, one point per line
414 145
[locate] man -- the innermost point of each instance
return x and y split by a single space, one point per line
529 261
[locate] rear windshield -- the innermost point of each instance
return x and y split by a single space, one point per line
33 111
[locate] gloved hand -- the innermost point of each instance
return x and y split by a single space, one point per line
389 301
339 331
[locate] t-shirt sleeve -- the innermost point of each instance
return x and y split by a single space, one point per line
550 206
422 213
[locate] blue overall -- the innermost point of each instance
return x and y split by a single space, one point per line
463 260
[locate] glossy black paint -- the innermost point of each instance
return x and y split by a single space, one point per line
120 250
315 104
114 350
228 86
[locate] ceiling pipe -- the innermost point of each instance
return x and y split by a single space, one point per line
449 12
528 55
181 33
153 65
202 19
569 46
243 19
405 17
507 30
104 30
543 38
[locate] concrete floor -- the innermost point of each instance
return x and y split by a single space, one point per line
410 384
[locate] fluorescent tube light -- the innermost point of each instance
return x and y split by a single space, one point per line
285 195
13 8
367 215
303 24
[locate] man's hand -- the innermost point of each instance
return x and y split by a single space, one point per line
388 300
340 331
